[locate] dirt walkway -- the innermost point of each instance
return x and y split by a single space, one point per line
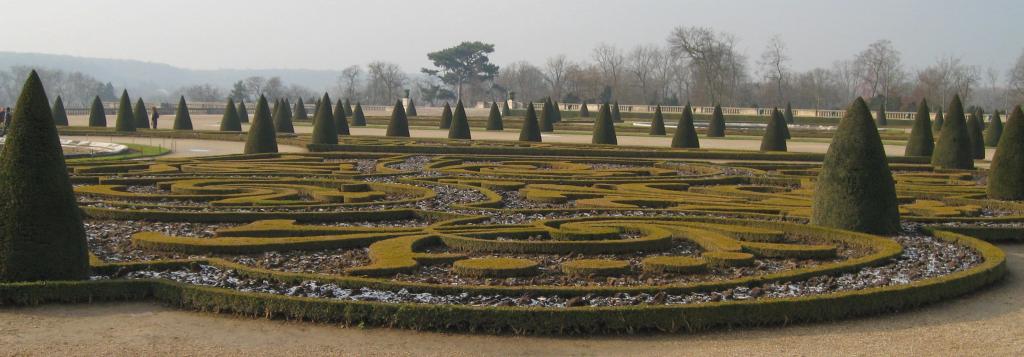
184 147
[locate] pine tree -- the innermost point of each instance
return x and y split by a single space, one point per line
494 121
855 189
399 124
531 129
446 117
789 115
243 112
460 124
953 149
1006 177
340 118
604 128
584 112
937 124
141 115
994 130
657 125
921 142
125 120
41 231
283 118
616 114
230 121
716 127
325 130
300 110
411 110
262 137
881 120
505 110
182 120
60 116
358 119
97 115
685 136
774 138
977 139
547 117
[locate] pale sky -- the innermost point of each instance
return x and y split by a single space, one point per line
318 34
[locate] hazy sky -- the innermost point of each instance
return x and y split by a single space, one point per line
317 34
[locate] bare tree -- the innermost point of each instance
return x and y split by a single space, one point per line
1016 76
879 68
255 85
385 82
611 61
554 73
523 78
641 64
720 69
773 66
349 81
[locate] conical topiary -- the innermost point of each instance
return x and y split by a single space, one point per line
657 124
446 117
399 124
182 120
230 121
97 115
977 139
685 136
616 114
981 119
855 189
460 124
41 231
604 128
881 120
785 128
325 130
774 138
953 149
1006 176
340 118
283 118
316 108
262 137
505 110
494 121
125 117
243 112
60 116
348 109
789 115
547 117
994 130
531 129
558 113
716 127
411 110
921 142
358 119
300 110
937 123
584 112
141 115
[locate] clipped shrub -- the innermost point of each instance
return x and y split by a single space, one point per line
604 128
399 124
976 136
558 113
446 117
243 112
182 120
300 110
1006 176
921 142
657 125
530 130
881 120
283 118
460 124
547 117
230 121
789 113
125 120
495 267
358 119
505 110
994 130
685 136
340 118
595 267
97 115
616 114
953 149
494 121
324 129
262 137
584 111
937 123
348 108
41 231
716 127
722 259
774 138
60 116
411 110
855 189
141 115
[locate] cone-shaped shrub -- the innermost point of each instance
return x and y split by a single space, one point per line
981 119
325 130
716 127
531 129
60 116
446 117
276 111
494 121
558 113
41 231
460 124
505 110
547 117
657 125
340 118
97 115
230 121
300 110
125 117
921 142
262 137
283 118
182 121
789 114
1006 177
584 112
243 112
399 124
855 189
316 108
358 119
939 120
604 127
411 110
141 115
348 109
994 130
774 138
785 128
616 114
881 120
685 136
977 138
953 149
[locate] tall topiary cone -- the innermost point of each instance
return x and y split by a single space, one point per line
340 118
348 108
125 117
399 124
789 114
300 110
230 121
785 128
325 130
41 231
774 138
446 117
977 139
262 137
855 190
604 127
953 149
60 116
558 113
685 136
460 124
411 110
547 117
881 120
505 110
531 129
1006 176
584 112
494 121
716 127
141 114
616 114
358 119
657 125
97 115
921 142
182 121
939 120
283 118
994 130
243 112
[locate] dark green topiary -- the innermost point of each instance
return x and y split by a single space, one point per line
616 114
921 142
60 116
125 120
584 112
547 117
41 231
558 113
604 127
1006 176
981 118
657 125
358 119
494 121
774 138
325 130
182 120
283 118
460 124
230 121
399 124
446 117
881 120
789 115
685 136
97 115
716 127
141 115
348 108
411 110
855 189
937 124
531 129
785 128
994 130
262 137
505 110
243 112
977 139
340 118
300 111
953 149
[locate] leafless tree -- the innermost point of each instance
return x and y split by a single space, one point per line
201 93
385 82
1016 77
554 73
525 79
612 63
641 65
255 85
348 82
720 69
773 66
879 68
